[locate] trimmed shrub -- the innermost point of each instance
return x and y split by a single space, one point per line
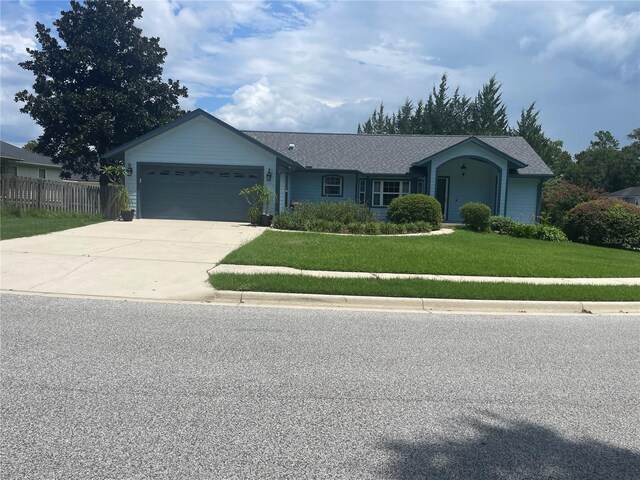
418 227
372 228
604 222
501 224
476 216
559 196
341 212
415 207
550 233
508 226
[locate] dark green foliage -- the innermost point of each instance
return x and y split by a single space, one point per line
508 226
501 224
559 196
288 221
604 165
97 87
604 222
342 212
31 145
488 113
476 216
415 207
442 114
557 159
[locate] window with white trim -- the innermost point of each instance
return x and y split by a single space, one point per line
384 191
332 186
420 186
362 191
42 173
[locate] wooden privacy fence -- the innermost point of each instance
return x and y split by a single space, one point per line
31 193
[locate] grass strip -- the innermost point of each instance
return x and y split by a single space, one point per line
14 224
421 288
460 253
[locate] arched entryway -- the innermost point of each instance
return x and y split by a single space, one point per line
467 179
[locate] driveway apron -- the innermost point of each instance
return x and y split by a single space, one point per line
155 259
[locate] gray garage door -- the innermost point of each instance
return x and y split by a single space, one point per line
195 192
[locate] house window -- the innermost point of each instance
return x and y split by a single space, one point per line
420 186
42 173
362 191
331 186
386 190
8 169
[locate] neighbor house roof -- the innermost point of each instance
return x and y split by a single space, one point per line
388 154
626 192
11 152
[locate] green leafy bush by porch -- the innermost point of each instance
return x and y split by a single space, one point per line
415 207
476 216
508 226
604 222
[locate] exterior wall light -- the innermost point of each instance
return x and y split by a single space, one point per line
463 169
129 170
269 175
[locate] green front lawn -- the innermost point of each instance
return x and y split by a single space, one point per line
421 288
38 222
460 253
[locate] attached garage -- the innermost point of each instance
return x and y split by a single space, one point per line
194 168
195 192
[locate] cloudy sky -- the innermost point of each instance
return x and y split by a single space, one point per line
324 66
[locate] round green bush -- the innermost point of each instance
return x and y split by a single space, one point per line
415 207
476 216
604 222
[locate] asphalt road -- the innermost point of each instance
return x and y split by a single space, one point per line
109 389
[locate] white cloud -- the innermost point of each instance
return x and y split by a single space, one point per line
602 37
324 66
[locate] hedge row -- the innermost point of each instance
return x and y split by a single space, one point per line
536 231
290 222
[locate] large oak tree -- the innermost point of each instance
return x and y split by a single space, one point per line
98 84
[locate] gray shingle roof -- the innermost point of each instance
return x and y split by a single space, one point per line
20 154
626 192
387 154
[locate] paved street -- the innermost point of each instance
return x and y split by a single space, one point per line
112 389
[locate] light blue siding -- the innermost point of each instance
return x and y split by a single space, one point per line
307 186
200 142
522 199
478 184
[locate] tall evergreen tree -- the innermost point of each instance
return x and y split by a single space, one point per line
97 88
489 114
528 127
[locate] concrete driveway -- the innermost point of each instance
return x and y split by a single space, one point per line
157 259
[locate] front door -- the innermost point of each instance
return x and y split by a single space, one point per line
442 195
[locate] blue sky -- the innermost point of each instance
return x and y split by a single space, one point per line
324 66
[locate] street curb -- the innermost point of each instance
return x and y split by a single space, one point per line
252 299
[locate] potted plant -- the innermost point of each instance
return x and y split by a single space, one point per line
116 174
258 198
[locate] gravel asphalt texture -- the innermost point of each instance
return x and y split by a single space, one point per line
135 390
